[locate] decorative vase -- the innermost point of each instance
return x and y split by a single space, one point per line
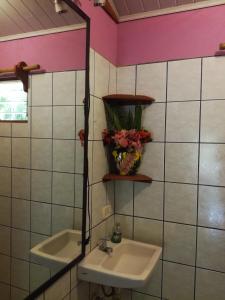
123 162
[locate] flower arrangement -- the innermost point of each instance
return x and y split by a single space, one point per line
125 139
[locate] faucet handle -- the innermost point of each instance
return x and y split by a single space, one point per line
103 242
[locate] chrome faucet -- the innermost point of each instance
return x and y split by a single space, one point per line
103 246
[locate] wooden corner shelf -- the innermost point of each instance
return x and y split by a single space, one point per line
124 99
137 178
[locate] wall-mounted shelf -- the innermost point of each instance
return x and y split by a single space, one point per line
123 99
137 178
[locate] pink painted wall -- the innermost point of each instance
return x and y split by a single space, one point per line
175 36
54 52
103 30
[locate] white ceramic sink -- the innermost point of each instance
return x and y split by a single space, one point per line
130 265
58 250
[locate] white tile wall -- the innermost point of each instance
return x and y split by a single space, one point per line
180 197
184 78
151 81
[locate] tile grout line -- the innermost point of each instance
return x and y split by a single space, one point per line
11 219
164 178
30 194
198 179
75 149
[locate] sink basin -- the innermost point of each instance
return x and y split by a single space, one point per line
58 250
130 265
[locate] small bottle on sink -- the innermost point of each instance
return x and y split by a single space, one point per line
117 234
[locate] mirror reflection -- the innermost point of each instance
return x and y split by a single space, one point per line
41 157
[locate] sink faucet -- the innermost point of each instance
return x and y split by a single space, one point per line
102 245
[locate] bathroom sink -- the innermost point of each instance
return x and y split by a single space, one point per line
130 265
58 250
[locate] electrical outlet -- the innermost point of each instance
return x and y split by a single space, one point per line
106 211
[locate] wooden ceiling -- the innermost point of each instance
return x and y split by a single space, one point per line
126 10
18 17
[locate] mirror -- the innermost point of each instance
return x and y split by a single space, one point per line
43 166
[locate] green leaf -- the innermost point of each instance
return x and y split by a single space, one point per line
130 120
112 118
137 117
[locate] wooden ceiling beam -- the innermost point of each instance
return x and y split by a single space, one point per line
109 9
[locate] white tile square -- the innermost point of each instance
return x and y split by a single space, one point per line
80 87
62 218
5 265
5 129
5 179
41 218
20 274
41 186
212 121
112 79
5 152
21 183
126 77
152 163
78 190
182 123
21 214
210 285
124 197
210 252
64 122
5 240
63 189
151 80
80 121
148 200
153 119
79 157
38 275
21 153
98 200
42 89
178 281
41 126
5 291
100 164
41 154
78 219
213 78
63 155
211 209
18 294
181 162
5 211
148 231
20 244
184 80
99 118
212 164
64 88
181 203
179 243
